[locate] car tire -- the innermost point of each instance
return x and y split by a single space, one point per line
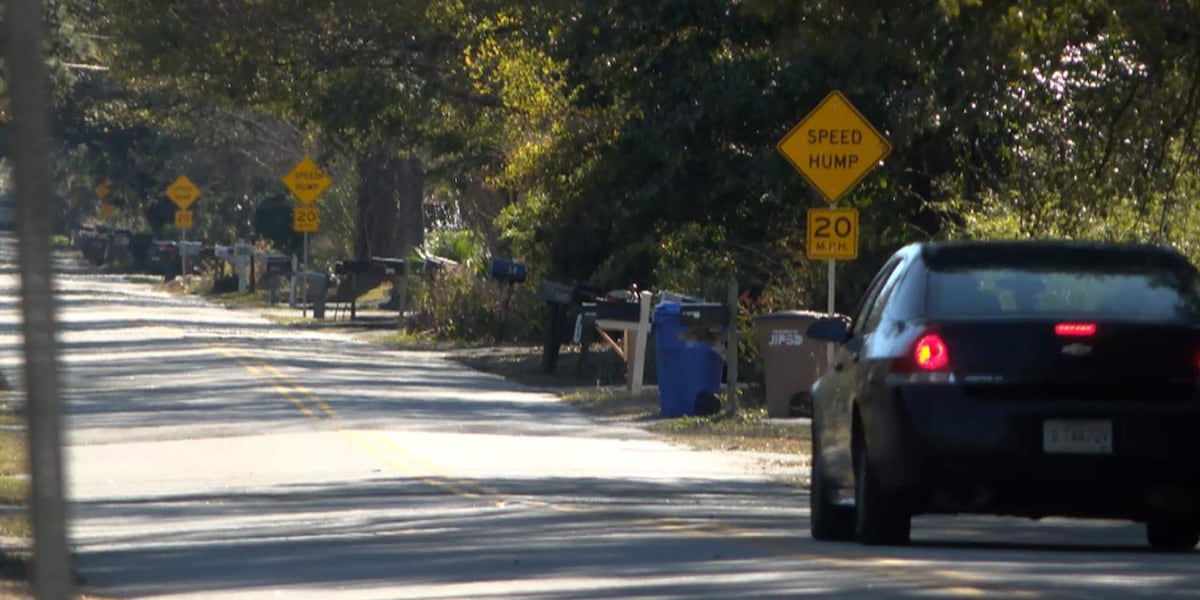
828 522
1167 534
881 519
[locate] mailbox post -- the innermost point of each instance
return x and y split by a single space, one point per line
397 268
508 273
278 267
560 297
352 268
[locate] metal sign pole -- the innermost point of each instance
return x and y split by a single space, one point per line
832 284
182 254
52 575
304 280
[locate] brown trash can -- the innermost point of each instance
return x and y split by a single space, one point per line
791 362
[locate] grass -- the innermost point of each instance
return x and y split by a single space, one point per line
377 295
616 403
260 297
524 364
747 430
15 527
14 482
416 340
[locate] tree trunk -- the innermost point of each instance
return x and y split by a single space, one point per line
411 225
390 208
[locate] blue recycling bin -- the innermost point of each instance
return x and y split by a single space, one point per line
686 368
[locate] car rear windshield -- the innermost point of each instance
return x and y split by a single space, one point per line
1073 284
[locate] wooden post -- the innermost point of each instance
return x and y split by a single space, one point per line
639 345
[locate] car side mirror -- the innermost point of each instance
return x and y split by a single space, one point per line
834 329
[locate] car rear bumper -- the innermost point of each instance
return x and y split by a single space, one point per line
957 453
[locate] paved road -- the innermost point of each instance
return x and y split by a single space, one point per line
213 455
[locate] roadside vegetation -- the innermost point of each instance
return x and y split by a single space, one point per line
627 143
15 524
14 480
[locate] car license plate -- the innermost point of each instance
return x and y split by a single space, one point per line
1077 436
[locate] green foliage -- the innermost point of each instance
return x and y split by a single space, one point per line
696 260
455 304
633 141
461 305
464 246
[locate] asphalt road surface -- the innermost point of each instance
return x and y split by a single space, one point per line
215 455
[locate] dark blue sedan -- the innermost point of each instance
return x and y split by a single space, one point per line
1014 378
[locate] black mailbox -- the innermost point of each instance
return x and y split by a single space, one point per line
346 267
434 264
613 311
508 271
278 266
392 266
705 315
557 293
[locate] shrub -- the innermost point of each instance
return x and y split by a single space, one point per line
455 304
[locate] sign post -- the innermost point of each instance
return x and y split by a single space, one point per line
183 193
833 147
307 182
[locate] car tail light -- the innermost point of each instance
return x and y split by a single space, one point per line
1075 329
928 361
930 353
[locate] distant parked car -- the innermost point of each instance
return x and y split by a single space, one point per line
1018 378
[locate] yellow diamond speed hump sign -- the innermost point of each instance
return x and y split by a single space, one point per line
834 147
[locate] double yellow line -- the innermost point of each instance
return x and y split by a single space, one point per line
376 443
294 392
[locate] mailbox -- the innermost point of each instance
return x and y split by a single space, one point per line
433 264
557 293
508 271
391 266
612 311
704 316
190 248
565 294
346 267
278 265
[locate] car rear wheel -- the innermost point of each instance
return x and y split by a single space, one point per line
881 518
827 521
1172 534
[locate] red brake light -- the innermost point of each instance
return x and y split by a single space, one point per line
1075 329
930 353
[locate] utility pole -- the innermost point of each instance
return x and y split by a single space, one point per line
27 82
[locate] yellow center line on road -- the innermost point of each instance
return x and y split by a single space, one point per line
283 391
325 408
376 443
279 381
